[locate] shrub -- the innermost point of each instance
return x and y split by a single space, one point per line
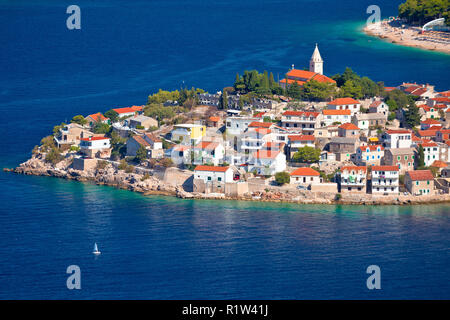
167 162
145 176
123 164
74 148
101 164
282 177
53 156
129 169
338 197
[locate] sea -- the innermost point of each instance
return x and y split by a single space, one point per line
156 247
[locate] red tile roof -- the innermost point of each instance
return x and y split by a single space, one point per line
420 175
439 164
214 119
301 138
348 126
301 113
431 121
371 148
141 141
398 131
211 168
256 124
342 101
384 168
128 109
328 112
427 133
305 172
98 117
266 154
207 145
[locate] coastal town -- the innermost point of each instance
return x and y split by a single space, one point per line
269 142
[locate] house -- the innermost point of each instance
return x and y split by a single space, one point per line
428 112
385 180
326 156
330 117
343 147
420 182
305 177
345 104
211 178
402 158
70 135
152 145
254 138
369 155
181 154
209 152
95 118
367 121
380 107
326 132
267 162
129 111
299 141
352 179
208 99
443 135
399 138
431 152
188 134
301 120
214 122
95 147
429 123
348 130
303 76
237 125
142 122
439 165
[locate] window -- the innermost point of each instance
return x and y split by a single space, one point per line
209 178
398 158
406 157
219 179
417 183
428 182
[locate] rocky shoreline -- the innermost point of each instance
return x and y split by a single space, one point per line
167 185
409 37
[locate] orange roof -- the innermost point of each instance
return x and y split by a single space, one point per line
441 99
141 141
429 144
342 101
348 126
214 119
256 124
439 164
207 145
181 147
430 121
305 172
321 78
266 154
290 81
371 148
262 130
384 168
328 112
398 131
427 133
355 168
98 117
301 138
420 175
152 137
128 109
301 74
211 168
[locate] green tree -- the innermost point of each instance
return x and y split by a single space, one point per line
101 128
112 115
307 154
79 120
318 91
420 158
223 101
141 154
282 177
412 116
294 91
350 89
54 156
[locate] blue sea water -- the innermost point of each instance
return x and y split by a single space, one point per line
165 248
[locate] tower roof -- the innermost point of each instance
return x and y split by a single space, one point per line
316 55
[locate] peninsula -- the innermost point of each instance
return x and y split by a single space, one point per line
308 138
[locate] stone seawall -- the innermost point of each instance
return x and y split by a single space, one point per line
175 182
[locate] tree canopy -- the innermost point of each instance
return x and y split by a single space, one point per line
423 11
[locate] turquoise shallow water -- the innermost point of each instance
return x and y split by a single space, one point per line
166 248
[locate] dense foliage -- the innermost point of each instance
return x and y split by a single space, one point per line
423 11
307 154
282 177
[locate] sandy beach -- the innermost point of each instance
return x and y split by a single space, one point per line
410 36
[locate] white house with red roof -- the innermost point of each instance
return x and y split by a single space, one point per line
305 177
369 155
332 116
95 147
353 179
254 138
181 154
345 104
379 106
267 162
430 151
299 141
209 152
348 130
301 120
129 111
399 138
420 182
213 174
95 118
385 180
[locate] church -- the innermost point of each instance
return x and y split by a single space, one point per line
302 76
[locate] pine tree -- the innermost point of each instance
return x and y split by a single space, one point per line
420 158
223 101
412 116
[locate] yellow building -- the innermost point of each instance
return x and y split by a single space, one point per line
188 133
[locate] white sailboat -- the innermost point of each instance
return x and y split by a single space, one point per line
96 249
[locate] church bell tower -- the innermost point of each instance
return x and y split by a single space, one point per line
316 62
